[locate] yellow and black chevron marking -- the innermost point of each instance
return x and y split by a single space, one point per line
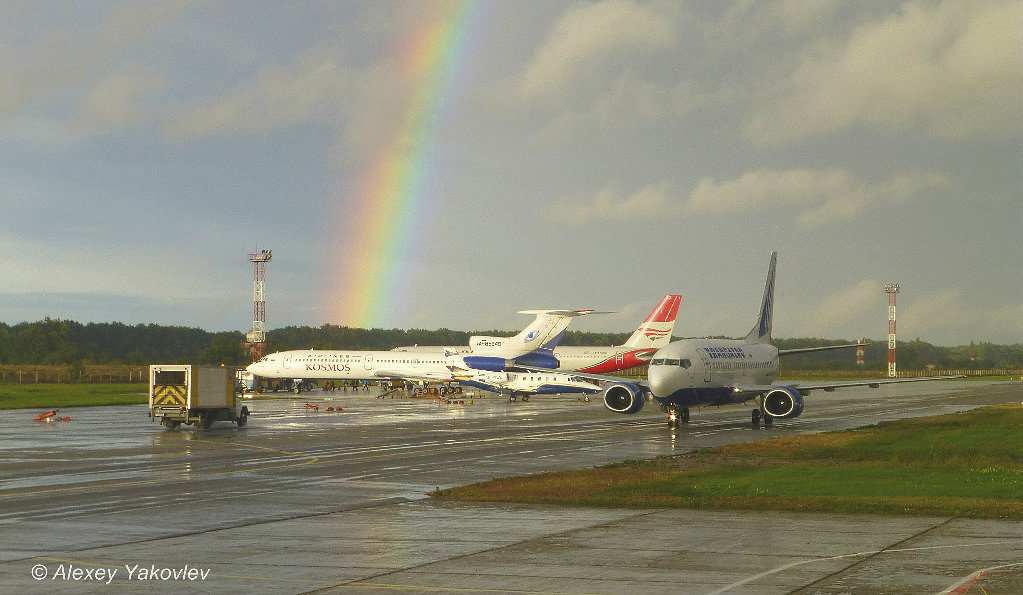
170 394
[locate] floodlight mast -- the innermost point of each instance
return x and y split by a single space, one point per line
892 289
257 336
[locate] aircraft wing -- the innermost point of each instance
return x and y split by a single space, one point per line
824 348
586 375
404 375
805 388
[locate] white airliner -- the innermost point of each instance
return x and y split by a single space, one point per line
533 346
654 332
697 372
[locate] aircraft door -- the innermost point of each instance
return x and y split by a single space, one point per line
287 361
369 362
415 362
620 359
705 362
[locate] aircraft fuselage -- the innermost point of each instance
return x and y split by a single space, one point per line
697 372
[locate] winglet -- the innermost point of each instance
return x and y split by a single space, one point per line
761 333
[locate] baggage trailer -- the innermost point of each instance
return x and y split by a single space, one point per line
194 395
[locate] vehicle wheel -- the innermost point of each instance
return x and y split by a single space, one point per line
243 417
684 415
171 424
206 420
756 417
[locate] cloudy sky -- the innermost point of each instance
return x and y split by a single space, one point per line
578 155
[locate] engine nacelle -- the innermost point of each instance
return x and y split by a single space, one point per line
783 402
482 362
538 360
624 398
500 364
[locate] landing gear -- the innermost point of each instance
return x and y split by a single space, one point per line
677 415
525 398
758 414
512 397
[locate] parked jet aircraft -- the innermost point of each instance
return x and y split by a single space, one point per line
516 384
534 345
654 332
369 365
696 372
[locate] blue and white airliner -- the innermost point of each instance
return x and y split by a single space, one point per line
698 372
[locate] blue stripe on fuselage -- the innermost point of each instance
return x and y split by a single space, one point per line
694 397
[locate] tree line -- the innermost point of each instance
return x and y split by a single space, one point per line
63 342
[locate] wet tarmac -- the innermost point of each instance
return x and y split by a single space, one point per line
301 501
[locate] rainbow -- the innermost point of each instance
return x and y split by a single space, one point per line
396 188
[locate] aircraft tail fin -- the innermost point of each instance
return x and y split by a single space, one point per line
655 331
544 332
761 333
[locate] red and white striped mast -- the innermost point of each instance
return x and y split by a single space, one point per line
892 289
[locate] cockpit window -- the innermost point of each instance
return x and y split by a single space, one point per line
683 363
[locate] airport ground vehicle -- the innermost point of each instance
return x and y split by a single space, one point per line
194 395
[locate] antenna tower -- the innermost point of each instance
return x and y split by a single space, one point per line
257 336
892 289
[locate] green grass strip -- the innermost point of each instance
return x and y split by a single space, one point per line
962 465
56 396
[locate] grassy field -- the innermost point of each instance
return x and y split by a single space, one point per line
56 396
962 465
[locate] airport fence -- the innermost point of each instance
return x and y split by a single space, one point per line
40 374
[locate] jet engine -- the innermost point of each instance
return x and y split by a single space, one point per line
480 362
783 401
500 364
624 398
538 360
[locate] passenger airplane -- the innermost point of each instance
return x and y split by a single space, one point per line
697 372
654 332
534 345
523 384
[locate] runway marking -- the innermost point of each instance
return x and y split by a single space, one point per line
366 583
604 428
867 554
971 580
93 486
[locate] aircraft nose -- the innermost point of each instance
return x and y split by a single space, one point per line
659 378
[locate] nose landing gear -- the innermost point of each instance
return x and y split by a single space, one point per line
759 414
676 415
